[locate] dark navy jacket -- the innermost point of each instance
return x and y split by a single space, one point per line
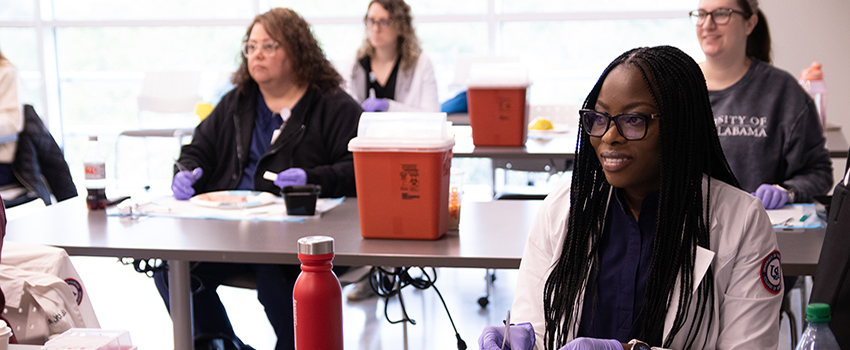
315 139
39 164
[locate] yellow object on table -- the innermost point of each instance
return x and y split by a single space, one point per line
540 124
203 109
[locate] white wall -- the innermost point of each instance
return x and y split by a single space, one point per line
803 31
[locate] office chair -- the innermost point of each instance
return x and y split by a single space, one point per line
167 107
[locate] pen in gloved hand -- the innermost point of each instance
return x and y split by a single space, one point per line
507 338
180 167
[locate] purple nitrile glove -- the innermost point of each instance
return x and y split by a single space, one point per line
183 181
522 337
593 344
771 196
375 104
291 177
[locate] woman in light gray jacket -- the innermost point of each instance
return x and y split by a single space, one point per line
11 117
391 73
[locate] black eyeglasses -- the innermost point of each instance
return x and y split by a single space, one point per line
720 16
381 23
632 126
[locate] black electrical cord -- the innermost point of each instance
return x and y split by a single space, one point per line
387 284
145 266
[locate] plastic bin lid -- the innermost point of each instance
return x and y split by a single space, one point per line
90 339
402 132
498 76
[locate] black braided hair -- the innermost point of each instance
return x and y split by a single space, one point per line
689 148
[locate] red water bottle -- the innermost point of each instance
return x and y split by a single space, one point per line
317 297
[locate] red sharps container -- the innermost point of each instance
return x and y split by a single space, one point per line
317 297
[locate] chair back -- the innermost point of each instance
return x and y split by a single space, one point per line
170 92
166 111
832 283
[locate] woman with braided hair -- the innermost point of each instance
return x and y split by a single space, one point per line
652 242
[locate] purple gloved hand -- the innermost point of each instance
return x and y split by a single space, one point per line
771 196
593 344
183 181
375 104
291 177
522 337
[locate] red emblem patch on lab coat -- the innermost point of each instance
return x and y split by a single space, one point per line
771 272
76 289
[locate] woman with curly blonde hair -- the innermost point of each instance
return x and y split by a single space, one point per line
391 72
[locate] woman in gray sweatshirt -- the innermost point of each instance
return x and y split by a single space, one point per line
768 125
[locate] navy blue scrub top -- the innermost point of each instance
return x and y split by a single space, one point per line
265 123
616 287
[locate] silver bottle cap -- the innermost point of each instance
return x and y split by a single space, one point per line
315 245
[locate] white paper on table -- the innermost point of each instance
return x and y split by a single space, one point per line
795 216
168 206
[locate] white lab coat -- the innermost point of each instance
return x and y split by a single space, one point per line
745 313
415 91
45 295
11 113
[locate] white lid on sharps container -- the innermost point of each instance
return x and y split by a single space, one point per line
315 245
487 75
402 132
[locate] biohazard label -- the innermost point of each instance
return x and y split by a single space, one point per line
771 272
505 107
409 181
76 289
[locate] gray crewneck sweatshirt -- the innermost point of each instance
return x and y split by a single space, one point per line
771 134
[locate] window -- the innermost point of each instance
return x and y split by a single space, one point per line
20 47
564 73
16 10
110 10
548 6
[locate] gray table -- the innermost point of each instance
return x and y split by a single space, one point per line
800 250
562 148
491 235
836 143
536 153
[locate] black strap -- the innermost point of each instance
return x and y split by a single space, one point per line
831 283
145 266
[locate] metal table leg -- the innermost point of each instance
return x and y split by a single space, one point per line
180 292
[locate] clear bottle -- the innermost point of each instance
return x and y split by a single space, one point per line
95 166
812 81
317 297
817 335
